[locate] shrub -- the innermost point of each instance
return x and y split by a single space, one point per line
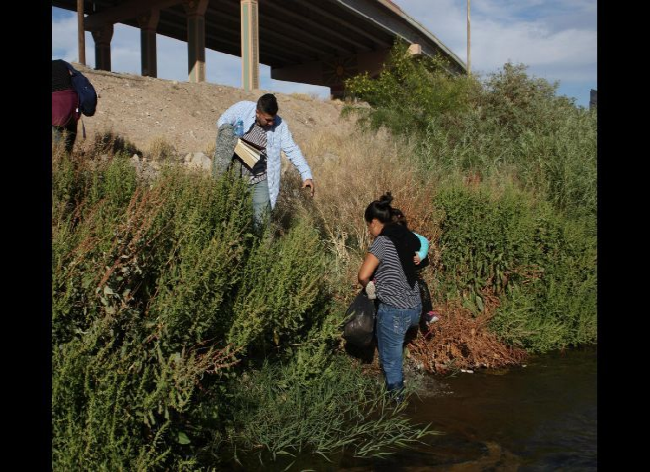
408 92
557 307
157 291
281 284
507 126
540 263
139 277
110 143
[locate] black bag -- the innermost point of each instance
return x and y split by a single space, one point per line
359 324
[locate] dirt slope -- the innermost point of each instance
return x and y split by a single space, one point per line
142 109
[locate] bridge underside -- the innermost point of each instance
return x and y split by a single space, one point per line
320 43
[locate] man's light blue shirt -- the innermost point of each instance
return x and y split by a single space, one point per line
278 138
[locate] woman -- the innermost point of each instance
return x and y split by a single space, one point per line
390 259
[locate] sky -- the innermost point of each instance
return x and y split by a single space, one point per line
556 39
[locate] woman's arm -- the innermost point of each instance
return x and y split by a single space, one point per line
370 263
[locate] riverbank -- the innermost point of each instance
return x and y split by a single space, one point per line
181 335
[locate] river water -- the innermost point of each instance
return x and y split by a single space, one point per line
539 417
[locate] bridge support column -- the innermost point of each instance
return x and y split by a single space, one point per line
195 10
250 46
148 62
81 32
103 37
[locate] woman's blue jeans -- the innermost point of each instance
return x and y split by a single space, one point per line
392 325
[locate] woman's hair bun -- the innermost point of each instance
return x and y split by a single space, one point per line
386 198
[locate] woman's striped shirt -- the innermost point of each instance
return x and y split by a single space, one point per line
392 286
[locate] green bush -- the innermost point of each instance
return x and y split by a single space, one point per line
409 92
484 241
508 126
140 282
164 298
281 283
540 263
557 307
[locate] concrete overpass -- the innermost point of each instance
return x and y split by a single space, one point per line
316 42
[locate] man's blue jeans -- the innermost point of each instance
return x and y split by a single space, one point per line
261 203
392 325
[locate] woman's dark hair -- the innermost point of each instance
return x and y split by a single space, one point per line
380 209
267 103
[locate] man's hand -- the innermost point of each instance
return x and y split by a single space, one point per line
416 259
309 183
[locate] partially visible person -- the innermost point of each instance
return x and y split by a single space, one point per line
391 260
65 104
261 125
429 315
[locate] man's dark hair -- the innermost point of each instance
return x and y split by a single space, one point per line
268 104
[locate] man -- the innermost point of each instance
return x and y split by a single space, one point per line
65 102
264 128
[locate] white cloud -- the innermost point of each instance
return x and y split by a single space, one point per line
64 41
531 44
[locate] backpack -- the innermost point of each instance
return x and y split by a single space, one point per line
85 91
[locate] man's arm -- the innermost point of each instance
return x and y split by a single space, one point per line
292 150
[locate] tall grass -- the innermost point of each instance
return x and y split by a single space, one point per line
541 266
138 274
335 411
353 170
